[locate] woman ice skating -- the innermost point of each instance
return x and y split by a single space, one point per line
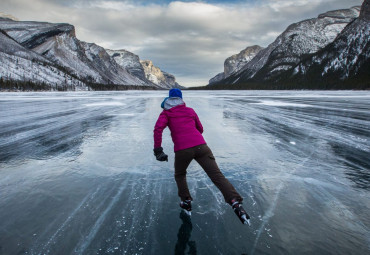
186 131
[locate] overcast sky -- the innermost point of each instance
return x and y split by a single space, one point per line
189 39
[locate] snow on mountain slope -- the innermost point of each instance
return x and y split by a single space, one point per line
66 51
31 34
145 70
21 64
129 61
9 46
107 67
236 62
345 53
348 56
58 43
298 40
218 77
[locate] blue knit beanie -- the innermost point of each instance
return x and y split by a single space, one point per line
175 93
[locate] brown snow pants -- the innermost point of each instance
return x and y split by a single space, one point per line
203 155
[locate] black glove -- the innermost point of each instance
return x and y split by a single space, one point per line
159 154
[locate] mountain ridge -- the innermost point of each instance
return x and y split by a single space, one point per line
56 44
351 65
235 62
273 67
157 76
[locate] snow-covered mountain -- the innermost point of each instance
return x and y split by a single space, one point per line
144 69
297 42
344 63
129 61
57 45
18 63
157 76
236 62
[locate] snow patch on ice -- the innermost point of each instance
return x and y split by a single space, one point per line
279 103
125 114
105 104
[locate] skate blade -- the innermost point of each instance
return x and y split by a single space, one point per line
245 220
187 212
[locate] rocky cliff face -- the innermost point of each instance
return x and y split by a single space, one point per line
155 75
18 63
217 78
129 61
365 11
145 69
57 45
236 62
342 63
294 44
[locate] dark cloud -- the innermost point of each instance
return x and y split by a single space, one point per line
190 39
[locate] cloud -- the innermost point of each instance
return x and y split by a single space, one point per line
188 39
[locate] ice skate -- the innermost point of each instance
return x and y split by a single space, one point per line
240 212
186 206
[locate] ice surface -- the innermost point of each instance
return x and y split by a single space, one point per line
78 175
105 104
279 103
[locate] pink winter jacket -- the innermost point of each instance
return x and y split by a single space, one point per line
184 124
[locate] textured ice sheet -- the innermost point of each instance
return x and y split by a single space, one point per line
78 175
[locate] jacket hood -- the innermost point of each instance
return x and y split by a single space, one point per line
172 102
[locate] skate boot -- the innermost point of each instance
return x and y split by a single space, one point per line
240 212
186 206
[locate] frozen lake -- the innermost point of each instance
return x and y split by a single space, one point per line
78 175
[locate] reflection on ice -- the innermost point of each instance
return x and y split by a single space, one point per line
183 237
